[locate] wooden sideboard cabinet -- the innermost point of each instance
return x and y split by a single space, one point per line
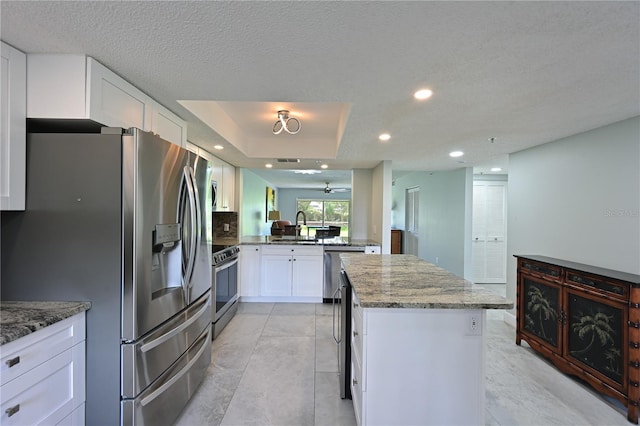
584 319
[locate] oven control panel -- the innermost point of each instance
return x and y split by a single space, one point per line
228 253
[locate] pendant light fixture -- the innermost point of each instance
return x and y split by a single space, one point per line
290 125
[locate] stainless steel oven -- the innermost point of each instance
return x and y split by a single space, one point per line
225 286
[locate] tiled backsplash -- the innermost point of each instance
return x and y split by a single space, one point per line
220 219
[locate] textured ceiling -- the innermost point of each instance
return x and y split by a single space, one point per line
525 73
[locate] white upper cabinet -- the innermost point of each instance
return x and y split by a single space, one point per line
224 174
13 95
79 87
168 125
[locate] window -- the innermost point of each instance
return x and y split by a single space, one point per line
321 213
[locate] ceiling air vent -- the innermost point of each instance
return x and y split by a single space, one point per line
288 160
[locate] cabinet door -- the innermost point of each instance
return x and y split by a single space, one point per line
540 306
228 187
596 336
168 126
307 276
115 102
276 275
249 271
13 110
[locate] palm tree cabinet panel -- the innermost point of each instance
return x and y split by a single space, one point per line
586 320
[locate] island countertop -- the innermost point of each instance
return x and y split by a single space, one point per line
405 281
17 319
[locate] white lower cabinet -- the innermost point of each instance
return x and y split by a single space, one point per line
249 271
43 376
295 272
417 366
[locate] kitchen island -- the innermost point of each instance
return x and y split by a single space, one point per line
417 337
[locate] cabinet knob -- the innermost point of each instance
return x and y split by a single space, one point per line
13 361
355 333
354 381
355 305
257 249
12 410
294 259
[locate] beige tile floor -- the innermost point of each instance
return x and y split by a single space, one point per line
275 364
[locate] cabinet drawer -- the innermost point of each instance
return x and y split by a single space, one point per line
356 336
48 393
595 284
26 353
541 270
291 249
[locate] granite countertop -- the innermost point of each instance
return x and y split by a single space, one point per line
334 241
405 281
17 319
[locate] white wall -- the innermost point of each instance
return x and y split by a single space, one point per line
381 206
253 204
578 199
361 187
445 216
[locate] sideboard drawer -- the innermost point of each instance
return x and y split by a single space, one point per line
596 284
541 270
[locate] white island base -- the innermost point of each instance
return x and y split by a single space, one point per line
418 366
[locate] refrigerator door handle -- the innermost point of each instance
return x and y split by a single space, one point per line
190 258
197 224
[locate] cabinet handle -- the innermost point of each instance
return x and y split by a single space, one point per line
354 381
355 305
12 410
13 361
355 333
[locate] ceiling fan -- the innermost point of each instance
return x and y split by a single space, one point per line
328 190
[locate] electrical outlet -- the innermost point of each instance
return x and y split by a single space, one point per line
475 326
226 227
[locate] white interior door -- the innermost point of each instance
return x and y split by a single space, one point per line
413 213
489 232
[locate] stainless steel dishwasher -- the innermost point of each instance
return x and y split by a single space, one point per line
332 269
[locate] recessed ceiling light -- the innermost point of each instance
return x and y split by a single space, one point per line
423 94
496 169
307 172
455 154
324 166
218 147
268 165
384 137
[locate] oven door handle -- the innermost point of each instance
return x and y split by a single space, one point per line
226 265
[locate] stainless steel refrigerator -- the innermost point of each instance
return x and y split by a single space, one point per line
122 219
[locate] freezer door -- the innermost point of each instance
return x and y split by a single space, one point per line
161 402
163 232
146 359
